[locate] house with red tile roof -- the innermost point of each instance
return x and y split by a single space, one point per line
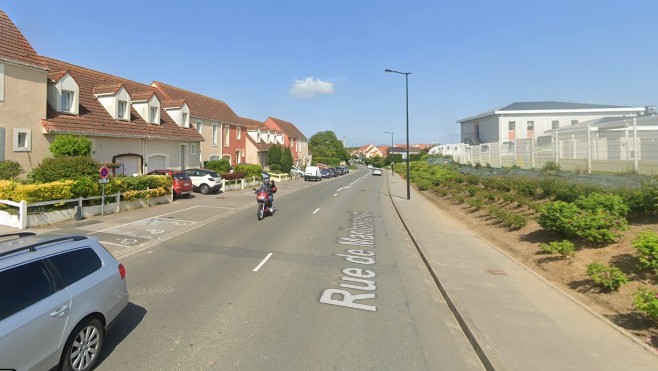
259 139
22 98
292 138
130 124
215 121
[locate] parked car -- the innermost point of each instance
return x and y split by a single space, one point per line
181 182
325 173
369 166
333 172
312 173
377 171
59 295
296 171
339 170
205 181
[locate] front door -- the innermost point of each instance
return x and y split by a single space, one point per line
183 156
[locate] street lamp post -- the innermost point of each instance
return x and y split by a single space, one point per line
388 132
406 85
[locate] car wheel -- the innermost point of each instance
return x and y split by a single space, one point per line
204 189
83 347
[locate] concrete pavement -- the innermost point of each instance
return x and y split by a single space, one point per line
514 318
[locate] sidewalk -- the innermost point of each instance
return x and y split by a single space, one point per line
519 320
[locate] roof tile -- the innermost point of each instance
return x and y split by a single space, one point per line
14 47
94 120
200 106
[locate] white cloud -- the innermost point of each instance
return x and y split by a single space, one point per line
310 88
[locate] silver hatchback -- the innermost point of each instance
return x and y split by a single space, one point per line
58 297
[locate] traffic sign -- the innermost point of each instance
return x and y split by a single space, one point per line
104 172
103 180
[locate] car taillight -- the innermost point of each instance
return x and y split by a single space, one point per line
122 271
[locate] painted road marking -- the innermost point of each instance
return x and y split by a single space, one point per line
335 194
316 210
360 233
137 221
263 262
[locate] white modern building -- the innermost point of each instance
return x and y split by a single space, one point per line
522 120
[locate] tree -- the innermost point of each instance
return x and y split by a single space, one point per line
286 160
70 145
326 144
274 155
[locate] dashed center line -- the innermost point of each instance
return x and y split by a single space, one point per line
263 262
316 210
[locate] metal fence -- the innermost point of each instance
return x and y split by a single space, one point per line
621 145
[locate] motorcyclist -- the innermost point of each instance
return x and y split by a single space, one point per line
271 190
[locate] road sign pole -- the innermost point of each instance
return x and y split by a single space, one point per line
103 200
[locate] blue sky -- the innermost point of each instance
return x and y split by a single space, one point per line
320 64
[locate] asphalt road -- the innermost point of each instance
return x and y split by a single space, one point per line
331 281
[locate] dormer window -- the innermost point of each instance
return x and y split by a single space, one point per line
186 123
153 115
122 109
67 100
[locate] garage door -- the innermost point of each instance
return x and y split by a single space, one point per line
130 165
156 162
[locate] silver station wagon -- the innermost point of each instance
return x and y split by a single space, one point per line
58 297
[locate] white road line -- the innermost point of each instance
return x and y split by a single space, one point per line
175 220
263 262
217 207
335 194
316 210
137 221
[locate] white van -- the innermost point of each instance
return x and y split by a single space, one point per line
312 172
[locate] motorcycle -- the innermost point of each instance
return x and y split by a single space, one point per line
263 200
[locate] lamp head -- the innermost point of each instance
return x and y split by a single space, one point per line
387 70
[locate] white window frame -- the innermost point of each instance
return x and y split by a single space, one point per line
238 133
2 82
198 127
227 135
511 125
185 117
193 148
153 114
122 115
28 140
214 134
69 101
530 125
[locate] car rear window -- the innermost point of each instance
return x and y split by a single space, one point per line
181 176
23 286
75 265
213 174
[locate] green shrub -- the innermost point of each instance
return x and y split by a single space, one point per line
611 203
64 167
274 155
249 170
608 277
276 168
551 166
219 166
70 145
476 202
598 226
565 248
646 301
9 169
646 244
